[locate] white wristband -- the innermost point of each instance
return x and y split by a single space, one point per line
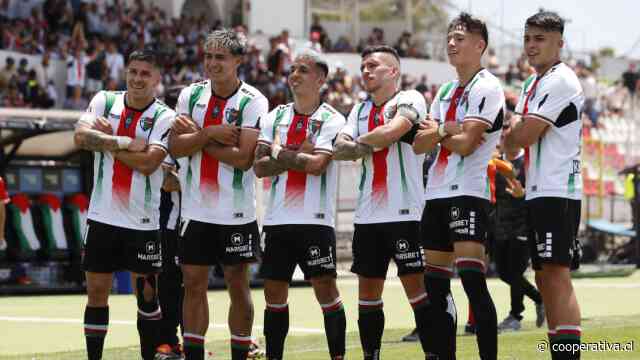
441 131
275 151
123 142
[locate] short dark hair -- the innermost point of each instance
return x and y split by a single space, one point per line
316 58
547 21
146 55
471 25
380 48
226 38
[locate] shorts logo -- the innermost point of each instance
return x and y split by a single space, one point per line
237 239
314 252
455 213
402 245
150 247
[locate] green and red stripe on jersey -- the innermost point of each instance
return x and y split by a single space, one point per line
296 180
443 156
122 174
208 164
379 159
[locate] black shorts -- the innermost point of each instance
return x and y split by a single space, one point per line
375 244
460 218
109 248
169 240
312 247
203 243
554 226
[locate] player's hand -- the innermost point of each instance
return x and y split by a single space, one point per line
452 128
224 134
101 124
514 187
428 124
183 124
137 145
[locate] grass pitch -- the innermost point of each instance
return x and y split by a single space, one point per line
50 327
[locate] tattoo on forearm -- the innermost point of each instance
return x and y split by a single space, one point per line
293 160
265 163
350 150
94 140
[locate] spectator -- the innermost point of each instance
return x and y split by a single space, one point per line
45 72
403 45
76 101
630 78
96 68
422 86
7 73
76 70
13 98
343 45
115 62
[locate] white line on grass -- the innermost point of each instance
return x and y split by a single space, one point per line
130 322
496 282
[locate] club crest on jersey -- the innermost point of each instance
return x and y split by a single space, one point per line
231 116
128 120
146 123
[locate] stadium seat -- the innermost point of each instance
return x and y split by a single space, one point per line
22 239
75 220
50 226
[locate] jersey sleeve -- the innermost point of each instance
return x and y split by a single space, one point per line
182 105
96 109
328 133
4 196
414 100
266 128
252 113
352 122
486 101
160 133
551 98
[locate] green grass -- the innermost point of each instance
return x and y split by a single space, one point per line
609 309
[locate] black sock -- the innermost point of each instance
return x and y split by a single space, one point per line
471 273
240 347
170 293
193 346
569 337
149 314
335 327
371 326
276 327
421 306
96 322
440 327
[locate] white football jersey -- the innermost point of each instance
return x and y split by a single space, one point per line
122 196
297 197
212 191
391 186
553 163
481 100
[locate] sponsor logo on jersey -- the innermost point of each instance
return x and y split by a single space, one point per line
314 252
455 213
128 120
402 245
150 247
146 123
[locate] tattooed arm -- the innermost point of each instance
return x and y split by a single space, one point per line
87 137
346 148
264 165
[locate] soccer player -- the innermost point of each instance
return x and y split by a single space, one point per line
470 112
123 216
295 149
380 132
216 129
550 131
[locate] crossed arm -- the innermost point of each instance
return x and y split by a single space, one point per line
304 160
229 144
136 155
461 139
524 132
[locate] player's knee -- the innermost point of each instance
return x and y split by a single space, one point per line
195 282
325 288
97 296
146 289
236 275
